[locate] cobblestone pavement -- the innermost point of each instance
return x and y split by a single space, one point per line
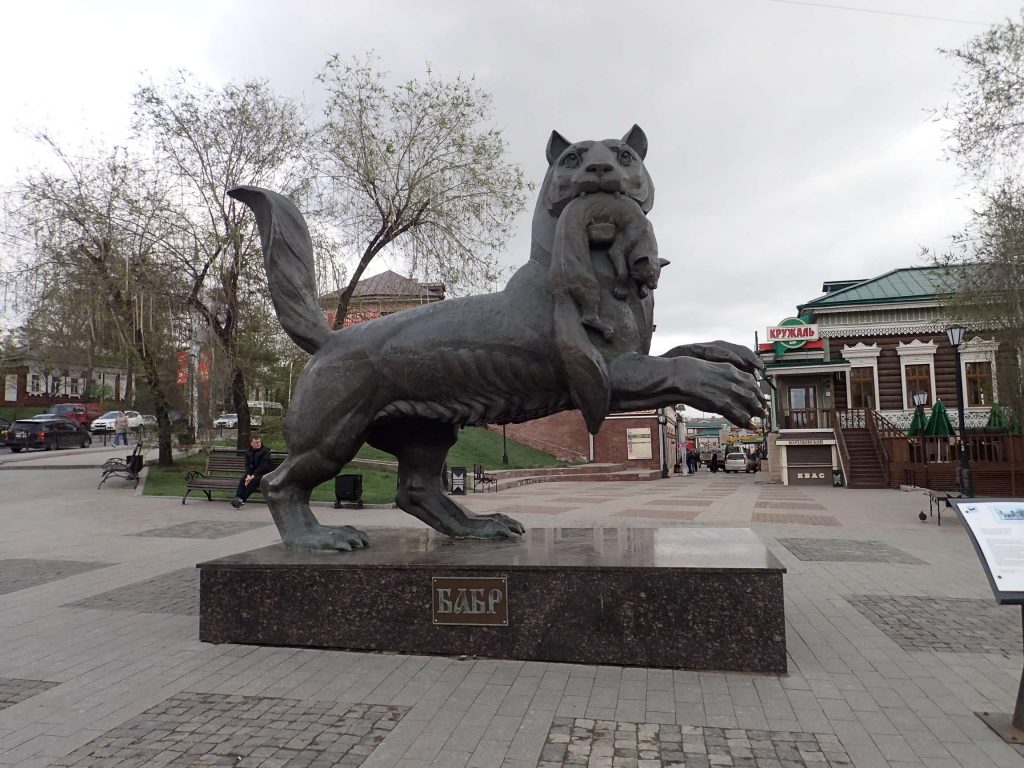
19 573
579 742
894 642
175 592
195 729
13 691
847 551
958 625
205 529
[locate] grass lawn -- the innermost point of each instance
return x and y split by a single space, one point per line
475 446
378 486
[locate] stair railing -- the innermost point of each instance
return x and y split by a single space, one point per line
844 453
881 431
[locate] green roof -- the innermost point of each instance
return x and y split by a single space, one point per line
905 284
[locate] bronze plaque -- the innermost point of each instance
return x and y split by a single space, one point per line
476 601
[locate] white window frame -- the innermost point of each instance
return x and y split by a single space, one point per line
861 355
978 350
917 352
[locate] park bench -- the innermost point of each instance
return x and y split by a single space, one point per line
482 480
223 471
130 468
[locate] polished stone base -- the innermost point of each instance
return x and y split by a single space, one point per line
692 598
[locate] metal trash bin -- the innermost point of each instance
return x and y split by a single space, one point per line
348 488
458 481
837 478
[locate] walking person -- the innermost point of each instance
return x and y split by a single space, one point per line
257 464
714 461
121 427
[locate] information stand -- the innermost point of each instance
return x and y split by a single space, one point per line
996 528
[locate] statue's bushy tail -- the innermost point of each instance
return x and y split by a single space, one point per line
288 258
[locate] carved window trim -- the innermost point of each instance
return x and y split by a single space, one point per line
861 355
979 350
917 352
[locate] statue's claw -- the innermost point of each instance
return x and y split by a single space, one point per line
720 352
329 537
493 526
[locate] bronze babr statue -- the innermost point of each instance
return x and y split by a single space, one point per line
406 382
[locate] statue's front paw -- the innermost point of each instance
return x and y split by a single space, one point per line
342 538
494 526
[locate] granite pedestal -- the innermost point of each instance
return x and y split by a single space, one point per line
691 598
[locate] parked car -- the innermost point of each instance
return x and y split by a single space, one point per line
49 432
227 420
105 423
148 421
80 413
736 462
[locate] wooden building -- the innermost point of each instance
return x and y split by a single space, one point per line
843 374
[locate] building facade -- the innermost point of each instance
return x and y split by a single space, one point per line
33 380
851 362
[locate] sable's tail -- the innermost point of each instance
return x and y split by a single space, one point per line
288 259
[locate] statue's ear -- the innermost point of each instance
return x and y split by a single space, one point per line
664 262
637 139
557 144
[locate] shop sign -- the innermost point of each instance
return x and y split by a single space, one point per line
810 475
793 333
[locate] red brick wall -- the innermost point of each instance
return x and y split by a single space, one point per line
565 436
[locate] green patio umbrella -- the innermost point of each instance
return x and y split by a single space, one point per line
939 424
914 430
997 418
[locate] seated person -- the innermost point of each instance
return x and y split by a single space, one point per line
257 464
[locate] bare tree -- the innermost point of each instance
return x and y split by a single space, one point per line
93 229
985 120
415 168
212 140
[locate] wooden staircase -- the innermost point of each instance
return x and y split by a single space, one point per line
865 470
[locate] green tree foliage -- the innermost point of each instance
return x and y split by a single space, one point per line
86 240
416 170
212 140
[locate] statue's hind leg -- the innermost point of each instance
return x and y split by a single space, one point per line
421 448
287 490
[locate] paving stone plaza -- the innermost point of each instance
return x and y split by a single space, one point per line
894 643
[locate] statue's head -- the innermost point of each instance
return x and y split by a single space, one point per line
612 165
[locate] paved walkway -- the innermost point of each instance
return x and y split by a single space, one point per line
894 642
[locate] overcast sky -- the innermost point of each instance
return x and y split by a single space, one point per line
790 143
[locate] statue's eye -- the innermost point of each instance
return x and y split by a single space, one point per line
572 160
625 157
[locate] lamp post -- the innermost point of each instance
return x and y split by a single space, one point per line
504 446
920 398
955 334
662 421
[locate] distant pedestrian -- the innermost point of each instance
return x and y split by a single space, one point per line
257 464
714 461
691 462
121 427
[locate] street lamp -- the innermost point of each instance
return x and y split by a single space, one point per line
920 398
662 421
955 334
